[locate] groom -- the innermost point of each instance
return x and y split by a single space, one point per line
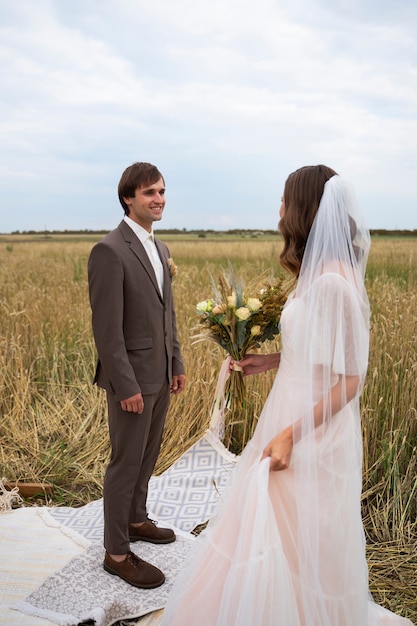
139 364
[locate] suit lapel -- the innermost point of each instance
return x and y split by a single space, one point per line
140 252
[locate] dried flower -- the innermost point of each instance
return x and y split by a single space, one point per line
231 300
173 269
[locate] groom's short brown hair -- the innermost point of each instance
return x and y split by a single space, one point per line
136 176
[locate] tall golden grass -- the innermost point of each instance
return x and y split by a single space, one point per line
53 420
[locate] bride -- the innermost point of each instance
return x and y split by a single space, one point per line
287 545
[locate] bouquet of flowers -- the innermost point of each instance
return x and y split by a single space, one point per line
238 319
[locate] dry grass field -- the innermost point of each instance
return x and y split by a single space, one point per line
53 422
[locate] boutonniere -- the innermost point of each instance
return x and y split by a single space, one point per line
173 269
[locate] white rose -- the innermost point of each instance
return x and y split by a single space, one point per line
254 304
255 330
242 313
204 306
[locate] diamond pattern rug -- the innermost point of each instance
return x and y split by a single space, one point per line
183 497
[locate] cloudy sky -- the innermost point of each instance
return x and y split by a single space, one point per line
226 97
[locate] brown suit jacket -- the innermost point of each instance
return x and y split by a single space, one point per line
134 326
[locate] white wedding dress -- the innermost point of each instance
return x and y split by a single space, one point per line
287 548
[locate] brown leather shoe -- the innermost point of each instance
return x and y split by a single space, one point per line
134 571
149 531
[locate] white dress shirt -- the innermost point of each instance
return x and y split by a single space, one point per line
147 239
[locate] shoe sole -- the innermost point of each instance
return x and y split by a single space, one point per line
134 538
109 570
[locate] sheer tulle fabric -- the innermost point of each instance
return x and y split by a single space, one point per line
288 547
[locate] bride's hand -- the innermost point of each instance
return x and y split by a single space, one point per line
256 363
279 449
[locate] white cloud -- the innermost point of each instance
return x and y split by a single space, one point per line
235 91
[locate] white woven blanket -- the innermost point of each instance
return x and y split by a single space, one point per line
183 497
83 592
33 546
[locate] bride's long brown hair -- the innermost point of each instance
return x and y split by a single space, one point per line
302 194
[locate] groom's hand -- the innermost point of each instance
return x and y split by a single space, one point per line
178 383
134 404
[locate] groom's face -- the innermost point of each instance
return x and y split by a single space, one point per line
147 205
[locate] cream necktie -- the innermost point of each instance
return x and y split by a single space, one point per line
156 262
